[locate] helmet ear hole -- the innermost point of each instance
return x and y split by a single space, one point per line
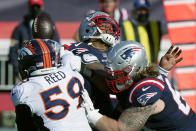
87 30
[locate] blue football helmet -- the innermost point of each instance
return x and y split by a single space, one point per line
38 57
99 23
123 61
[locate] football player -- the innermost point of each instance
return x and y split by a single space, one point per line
46 95
146 97
48 98
110 7
98 33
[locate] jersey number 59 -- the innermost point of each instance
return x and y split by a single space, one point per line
56 90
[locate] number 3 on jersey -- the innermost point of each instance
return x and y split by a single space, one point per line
48 103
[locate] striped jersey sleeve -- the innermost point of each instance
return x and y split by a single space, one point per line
146 92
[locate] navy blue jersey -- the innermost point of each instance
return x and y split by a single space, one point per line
176 116
88 53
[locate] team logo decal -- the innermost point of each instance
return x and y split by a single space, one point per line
89 58
143 99
31 48
128 54
79 50
26 51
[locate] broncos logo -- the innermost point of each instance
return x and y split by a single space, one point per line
31 48
24 52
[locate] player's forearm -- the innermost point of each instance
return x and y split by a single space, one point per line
133 119
24 119
107 124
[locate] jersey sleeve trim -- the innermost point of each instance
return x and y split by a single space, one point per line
149 81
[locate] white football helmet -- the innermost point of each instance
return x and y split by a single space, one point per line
124 60
102 23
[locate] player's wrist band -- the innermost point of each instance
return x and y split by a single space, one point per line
94 116
163 71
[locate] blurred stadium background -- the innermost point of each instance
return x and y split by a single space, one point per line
180 15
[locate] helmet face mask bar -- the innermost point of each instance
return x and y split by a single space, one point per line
99 25
124 60
120 80
107 24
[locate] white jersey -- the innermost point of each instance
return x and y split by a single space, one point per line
55 98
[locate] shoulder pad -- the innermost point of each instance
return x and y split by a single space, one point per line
89 58
71 61
146 92
16 94
88 53
21 91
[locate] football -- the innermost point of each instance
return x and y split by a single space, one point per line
43 26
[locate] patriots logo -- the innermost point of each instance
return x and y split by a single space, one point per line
143 99
129 53
79 50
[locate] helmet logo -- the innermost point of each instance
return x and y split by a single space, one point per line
31 48
128 54
79 50
24 52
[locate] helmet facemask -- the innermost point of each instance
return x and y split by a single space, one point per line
99 25
107 27
119 80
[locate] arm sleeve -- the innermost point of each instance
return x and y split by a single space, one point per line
69 60
24 118
16 94
163 71
146 92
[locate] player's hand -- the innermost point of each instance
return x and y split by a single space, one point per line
87 104
171 58
92 114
